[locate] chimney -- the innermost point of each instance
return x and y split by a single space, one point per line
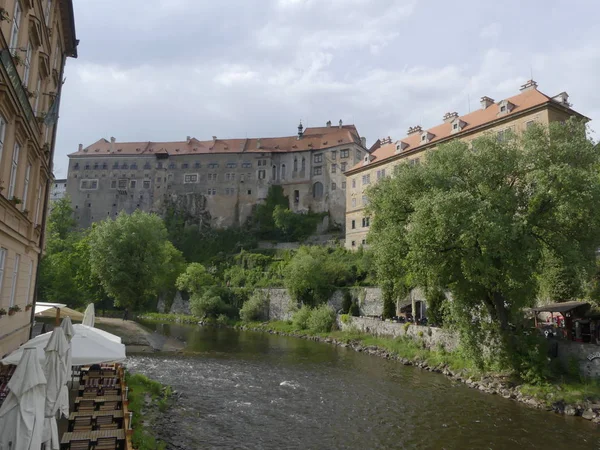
258 143
363 142
449 117
300 130
528 86
214 139
112 144
341 124
243 145
415 129
188 139
486 102
80 148
328 124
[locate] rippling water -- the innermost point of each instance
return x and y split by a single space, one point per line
245 390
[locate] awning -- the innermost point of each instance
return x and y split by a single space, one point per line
40 307
562 307
88 346
64 312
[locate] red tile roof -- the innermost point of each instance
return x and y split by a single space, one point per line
525 100
313 139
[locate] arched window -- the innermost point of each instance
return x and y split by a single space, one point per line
318 190
282 171
295 164
274 174
303 163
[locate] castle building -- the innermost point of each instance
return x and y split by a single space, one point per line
58 190
514 114
222 179
36 37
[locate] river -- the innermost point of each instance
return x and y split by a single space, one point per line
246 390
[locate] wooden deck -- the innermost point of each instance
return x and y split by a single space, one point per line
117 414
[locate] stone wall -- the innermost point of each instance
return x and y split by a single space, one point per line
586 355
181 303
280 304
431 337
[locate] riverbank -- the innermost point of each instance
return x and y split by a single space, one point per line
138 339
149 401
568 397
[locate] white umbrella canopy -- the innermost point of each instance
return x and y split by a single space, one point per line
56 387
88 346
89 316
22 413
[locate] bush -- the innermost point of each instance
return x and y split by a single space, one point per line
207 305
301 317
222 319
354 310
321 319
255 308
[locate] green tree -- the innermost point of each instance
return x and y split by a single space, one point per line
195 279
61 222
129 256
478 219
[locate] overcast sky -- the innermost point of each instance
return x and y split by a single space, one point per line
164 69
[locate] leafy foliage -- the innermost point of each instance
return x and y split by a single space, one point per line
301 317
479 221
255 308
322 319
195 279
313 273
129 255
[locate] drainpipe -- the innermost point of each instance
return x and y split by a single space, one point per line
47 197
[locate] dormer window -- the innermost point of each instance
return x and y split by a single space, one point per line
401 146
426 137
505 107
457 125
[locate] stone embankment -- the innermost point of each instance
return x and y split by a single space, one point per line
488 384
138 339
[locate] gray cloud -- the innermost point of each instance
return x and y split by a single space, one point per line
165 69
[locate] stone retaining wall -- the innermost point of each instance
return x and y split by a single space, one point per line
586 355
431 337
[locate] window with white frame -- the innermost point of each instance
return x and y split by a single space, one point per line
13 171
365 200
15 279
231 165
381 174
190 178
113 184
2 133
353 202
333 155
38 203
261 174
3 253
29 277
230 176
318 158
212 177
123 183
213 165
27 69
47 12
132 184
343 185
146 184
211 191
26 187
344 153
16 24
333 168
317 170
333 186
87 184
366 179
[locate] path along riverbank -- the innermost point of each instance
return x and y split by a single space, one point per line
571 399
138 339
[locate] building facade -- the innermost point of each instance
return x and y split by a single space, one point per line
36 38
58 190
219 181
512 115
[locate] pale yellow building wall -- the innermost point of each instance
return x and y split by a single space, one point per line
355 192
20 224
